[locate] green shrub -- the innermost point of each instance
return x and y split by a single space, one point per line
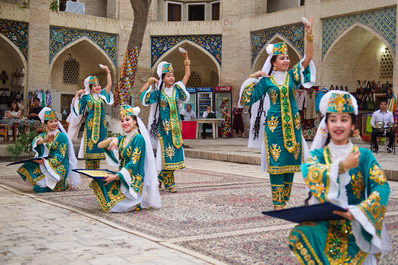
22 146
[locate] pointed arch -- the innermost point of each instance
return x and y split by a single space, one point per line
186 43
263 49
349 30
16 49
92 43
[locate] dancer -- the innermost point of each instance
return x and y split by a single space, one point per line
135 185
164 119
283 141
92 101
341 173
51 171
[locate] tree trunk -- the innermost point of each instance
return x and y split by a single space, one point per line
141 11
129 68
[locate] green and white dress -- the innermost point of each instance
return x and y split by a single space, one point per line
283 134
95 129
54 172
137 184
363 190
170 152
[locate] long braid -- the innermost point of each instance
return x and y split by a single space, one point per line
257 125
156 120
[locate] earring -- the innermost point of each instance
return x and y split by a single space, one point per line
274 68
356 134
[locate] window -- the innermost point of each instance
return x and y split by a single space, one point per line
386 64
71 71
302 2
215 11
194 80
196 12
174 11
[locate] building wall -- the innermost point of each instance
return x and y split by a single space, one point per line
278 5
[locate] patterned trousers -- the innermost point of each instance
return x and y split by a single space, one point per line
167 178
281 186
93 163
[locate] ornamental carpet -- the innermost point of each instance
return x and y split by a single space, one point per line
214 214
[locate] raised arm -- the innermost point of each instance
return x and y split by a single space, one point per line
309 49
151 80
108 78
187 67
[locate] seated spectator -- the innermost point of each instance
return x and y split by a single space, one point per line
189 114
14 112
385 116
35 110
208 114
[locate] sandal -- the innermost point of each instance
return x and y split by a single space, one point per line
172 190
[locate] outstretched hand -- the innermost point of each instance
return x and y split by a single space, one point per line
50 138
259 74
109 178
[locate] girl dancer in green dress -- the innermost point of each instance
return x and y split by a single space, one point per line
55 158
164 118
339 172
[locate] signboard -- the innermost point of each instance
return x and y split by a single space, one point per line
223 88
204 89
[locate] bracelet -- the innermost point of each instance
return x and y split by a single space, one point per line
149 80
310 37
342 169
187 62
252 76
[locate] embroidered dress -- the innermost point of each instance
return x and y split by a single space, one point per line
125 194
283 143
52 175
226 130
363 190
169 130
95 129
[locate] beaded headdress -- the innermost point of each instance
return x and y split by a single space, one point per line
50 115
167 68
127 110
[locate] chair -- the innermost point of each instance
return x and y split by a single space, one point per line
4 132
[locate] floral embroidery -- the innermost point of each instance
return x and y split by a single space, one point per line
374 211
377 175
275 151
170 151
314 177
277 195
247 94
62 149
90 124
297 121
273 95
272 123
136 155
336 249
163 103
357 184
166 126
296 152
296 75
137 182
289 136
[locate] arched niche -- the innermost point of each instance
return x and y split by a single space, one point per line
202 63
355 55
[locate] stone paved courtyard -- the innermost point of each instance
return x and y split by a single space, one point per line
215 218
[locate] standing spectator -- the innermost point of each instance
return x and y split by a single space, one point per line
35 110
14 112
237 122
208 114
226 130
189 114
385 116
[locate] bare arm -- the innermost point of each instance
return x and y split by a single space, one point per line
105 143
108 80
309 49
187 67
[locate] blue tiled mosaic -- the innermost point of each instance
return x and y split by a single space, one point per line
17 33
161 44
382 21
293 33
60 37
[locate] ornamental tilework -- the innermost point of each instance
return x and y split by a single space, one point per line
382 21
293 33
17 33
60 37
161 44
